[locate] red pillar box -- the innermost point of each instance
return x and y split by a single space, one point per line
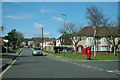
84 51
88 53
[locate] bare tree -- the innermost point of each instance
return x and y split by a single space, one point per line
112 34
1 30
72 29
96 18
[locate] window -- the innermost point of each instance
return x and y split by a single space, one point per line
89 39
37 48
103 39
116 39
92 47
104 48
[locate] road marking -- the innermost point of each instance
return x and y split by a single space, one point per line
100 69
109 71
89 66
74 63
10 65
83 65
95 68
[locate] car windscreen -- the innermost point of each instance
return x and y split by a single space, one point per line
37 48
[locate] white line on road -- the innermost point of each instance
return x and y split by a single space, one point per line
74 63
83 65
89 66
100 69
109 71
95 68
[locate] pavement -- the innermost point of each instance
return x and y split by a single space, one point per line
5 60
50 66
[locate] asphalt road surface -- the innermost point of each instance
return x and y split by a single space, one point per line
49 66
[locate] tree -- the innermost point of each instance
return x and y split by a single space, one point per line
1 29
14 38
96 18
112 35
72 29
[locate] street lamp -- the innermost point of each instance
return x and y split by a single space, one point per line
64 32
42 38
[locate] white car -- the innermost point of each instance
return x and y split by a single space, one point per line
37 51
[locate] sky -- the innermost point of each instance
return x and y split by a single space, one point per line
30 17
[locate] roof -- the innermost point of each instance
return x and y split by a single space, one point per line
67 42
47 40
66 36
101 31
50 44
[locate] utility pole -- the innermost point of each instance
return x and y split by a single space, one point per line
42 38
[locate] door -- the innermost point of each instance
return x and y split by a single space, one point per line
80 49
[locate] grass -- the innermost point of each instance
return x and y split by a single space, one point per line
73 56
5 53
10 52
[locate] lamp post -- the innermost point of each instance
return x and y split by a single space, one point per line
42 38
64 32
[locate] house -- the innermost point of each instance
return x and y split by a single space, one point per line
48 44
3 44
60 44
22 44
87 39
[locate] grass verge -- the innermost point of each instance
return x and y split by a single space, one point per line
10 52
78 56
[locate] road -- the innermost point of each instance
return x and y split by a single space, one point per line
49 66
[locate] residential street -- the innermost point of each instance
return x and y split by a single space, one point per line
50 66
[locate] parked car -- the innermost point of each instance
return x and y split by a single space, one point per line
37 51
68 49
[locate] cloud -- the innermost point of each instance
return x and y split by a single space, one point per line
36 25
58 19
13 17
46 33
20 16
42 10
